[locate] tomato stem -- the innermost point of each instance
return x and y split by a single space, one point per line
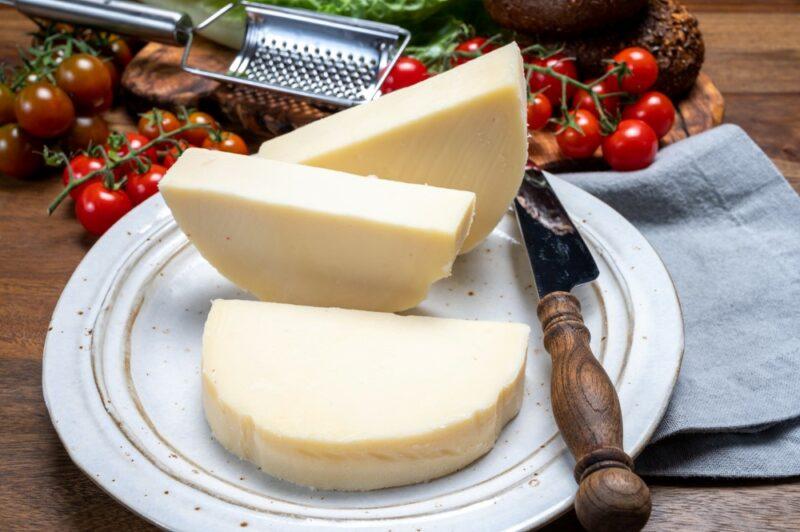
606 122
43 59
112 163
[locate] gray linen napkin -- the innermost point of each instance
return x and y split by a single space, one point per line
727 225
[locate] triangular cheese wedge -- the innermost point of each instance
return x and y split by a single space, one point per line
305 235
354 400
462 129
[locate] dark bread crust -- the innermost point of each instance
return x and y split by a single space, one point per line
561 17
667 29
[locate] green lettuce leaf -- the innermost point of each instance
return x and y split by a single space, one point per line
230 29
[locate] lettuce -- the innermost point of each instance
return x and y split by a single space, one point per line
230 29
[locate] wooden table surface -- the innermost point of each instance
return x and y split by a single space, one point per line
752 53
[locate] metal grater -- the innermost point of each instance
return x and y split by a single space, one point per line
333 60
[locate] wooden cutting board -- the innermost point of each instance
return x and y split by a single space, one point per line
154 78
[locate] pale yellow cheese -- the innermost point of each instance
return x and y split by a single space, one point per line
462 129
355 400
305 235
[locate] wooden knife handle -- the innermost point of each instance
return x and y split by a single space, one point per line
586 407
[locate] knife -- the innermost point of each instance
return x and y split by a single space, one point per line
585 404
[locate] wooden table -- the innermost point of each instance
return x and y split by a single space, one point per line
753 54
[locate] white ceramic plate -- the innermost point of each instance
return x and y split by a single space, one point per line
122 382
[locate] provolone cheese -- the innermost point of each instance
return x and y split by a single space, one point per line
356 400
462 129
305 235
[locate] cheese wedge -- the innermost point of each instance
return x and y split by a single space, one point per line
355 400
462 129
298 234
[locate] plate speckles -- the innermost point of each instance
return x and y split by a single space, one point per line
135 387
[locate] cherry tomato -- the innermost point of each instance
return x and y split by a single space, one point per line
406 72
148 124
120 51
56 31
18 152
64 27
583 100
472 46
113 73
98 208
136 141
196 136
82 165
44 110
539 112
580 144
139 187
643 69
229 142
552 86
6 105
87 131
87 81
631 147
655 109
173 154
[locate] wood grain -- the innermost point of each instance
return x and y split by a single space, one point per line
40 488
155 76
586 407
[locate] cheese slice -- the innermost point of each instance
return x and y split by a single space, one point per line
298 234
355 400
462 129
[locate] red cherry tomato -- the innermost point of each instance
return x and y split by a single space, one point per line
174 153
539 112
82 165
552 86
226 141
643 69
98 208
136 141
580 144
631 147
583 100
139 187
197 135
148 125
406 72
476 45
655 109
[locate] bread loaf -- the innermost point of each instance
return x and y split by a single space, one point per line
560 18
665 28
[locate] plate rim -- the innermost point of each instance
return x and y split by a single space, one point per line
143 220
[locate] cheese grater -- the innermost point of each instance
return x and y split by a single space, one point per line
332 60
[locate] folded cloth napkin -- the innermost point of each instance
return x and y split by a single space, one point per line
727 226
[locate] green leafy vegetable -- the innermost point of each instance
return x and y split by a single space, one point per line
230 29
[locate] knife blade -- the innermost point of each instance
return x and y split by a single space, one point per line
559 257
585 404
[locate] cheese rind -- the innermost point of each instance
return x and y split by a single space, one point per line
354 400
463 129
305 235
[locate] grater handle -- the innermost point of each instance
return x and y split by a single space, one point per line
129 18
